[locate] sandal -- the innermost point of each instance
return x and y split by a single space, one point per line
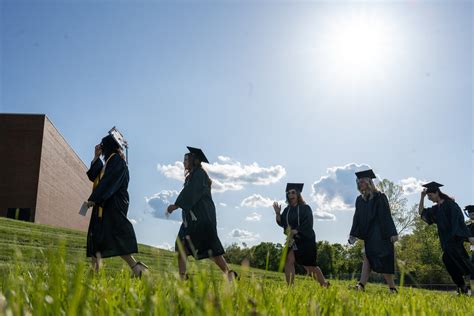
139 268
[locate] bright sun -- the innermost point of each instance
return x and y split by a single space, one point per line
358 45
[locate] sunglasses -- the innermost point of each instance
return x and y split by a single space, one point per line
291 192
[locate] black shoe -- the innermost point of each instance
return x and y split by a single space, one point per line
235 275
358 287
463 290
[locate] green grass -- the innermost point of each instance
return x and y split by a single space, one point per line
44 271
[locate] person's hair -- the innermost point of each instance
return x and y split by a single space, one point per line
370 184
193 164
301 201
110 146
443 195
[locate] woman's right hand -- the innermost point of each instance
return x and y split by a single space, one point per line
276 208
423 193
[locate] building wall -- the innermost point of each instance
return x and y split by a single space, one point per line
63 185
20 151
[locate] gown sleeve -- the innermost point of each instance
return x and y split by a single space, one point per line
193 191
305 228
95 169
115 173
388 226
459 228
426 215
355 222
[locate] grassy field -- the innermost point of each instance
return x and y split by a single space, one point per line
43 270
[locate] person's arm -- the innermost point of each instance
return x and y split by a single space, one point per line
277 209
193 191
354 233
421 205
96 164
115 173
425 213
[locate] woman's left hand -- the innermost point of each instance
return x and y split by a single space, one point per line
394 238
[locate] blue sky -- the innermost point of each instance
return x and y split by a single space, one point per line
273 93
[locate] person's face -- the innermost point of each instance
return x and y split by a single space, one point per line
186 162
363 185
433 197
292 196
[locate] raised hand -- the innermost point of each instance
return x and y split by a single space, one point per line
276 208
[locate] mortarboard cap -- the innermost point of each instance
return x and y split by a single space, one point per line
366 174
198 153
432 186
294 186
469 208
118 137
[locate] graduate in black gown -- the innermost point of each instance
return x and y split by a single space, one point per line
470 226
110 232
373 223
297 223
452 232
197 235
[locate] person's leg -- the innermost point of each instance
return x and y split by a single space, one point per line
129 260
316 274
97 262
182 265
365 273
456 276
138 268
389 280
290 267
221 263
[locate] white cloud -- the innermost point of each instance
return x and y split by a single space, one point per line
133 221
229 175
222 204
160 201
243 235
337 189
324 216
255 201
175 171
254 217
412 185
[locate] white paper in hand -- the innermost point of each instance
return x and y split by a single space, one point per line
84 208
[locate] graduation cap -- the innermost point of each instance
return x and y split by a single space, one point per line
432 187
294 186
198 153
366 174
114 140
469 209
118 137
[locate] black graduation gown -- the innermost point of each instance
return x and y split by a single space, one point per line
305 241
199 217
373 223
113 234
452 232
471 233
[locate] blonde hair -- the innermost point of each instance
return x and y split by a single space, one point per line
370 184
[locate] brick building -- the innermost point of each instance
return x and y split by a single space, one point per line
42 179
